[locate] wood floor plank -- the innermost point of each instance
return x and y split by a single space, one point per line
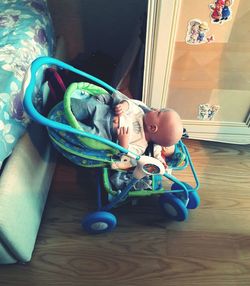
211 248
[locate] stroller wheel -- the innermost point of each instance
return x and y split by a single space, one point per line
99 222
173 207
194 198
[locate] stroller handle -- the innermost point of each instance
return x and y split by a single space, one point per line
28 89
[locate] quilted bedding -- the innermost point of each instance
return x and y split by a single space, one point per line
25 34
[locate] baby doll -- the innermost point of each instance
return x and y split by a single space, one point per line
105 117
162 127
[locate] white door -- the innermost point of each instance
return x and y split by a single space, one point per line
208 84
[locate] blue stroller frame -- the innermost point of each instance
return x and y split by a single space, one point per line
174 202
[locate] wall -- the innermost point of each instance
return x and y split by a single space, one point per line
91 25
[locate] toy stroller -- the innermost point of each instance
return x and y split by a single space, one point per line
89 150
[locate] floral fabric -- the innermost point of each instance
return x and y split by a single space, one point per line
25 34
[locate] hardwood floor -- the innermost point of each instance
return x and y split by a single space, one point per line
211 248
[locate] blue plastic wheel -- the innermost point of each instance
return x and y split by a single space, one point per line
194 198
99 222
173 207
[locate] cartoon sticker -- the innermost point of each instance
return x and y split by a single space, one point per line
221 11
197 32
207 111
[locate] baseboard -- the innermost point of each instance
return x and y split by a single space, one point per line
226 132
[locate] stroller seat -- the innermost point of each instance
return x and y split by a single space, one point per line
81 150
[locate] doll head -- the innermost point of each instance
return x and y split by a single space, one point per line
218 6
203 26
163 127
220 2
195 26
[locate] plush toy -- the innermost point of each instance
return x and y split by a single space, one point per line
123 162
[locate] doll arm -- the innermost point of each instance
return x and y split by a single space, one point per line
158 155
121 107
122 130
123 136
212 7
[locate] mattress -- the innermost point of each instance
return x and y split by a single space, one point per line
24 186
26 156
25 34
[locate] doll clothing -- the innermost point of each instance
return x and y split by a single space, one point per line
96 115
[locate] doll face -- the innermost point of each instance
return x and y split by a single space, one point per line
164 127
220 3
195 27
154 118
218 6
154 115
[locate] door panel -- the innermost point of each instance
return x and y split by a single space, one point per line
209 78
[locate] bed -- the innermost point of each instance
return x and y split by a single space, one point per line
27 160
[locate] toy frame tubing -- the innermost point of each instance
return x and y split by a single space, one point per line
173 179
119 197
30 79
192 169
123 195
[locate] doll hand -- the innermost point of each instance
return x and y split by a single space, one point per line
163 163
123 136
118 109
121 107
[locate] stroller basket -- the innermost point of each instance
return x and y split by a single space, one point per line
89 150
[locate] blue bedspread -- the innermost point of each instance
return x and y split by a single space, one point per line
25 34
